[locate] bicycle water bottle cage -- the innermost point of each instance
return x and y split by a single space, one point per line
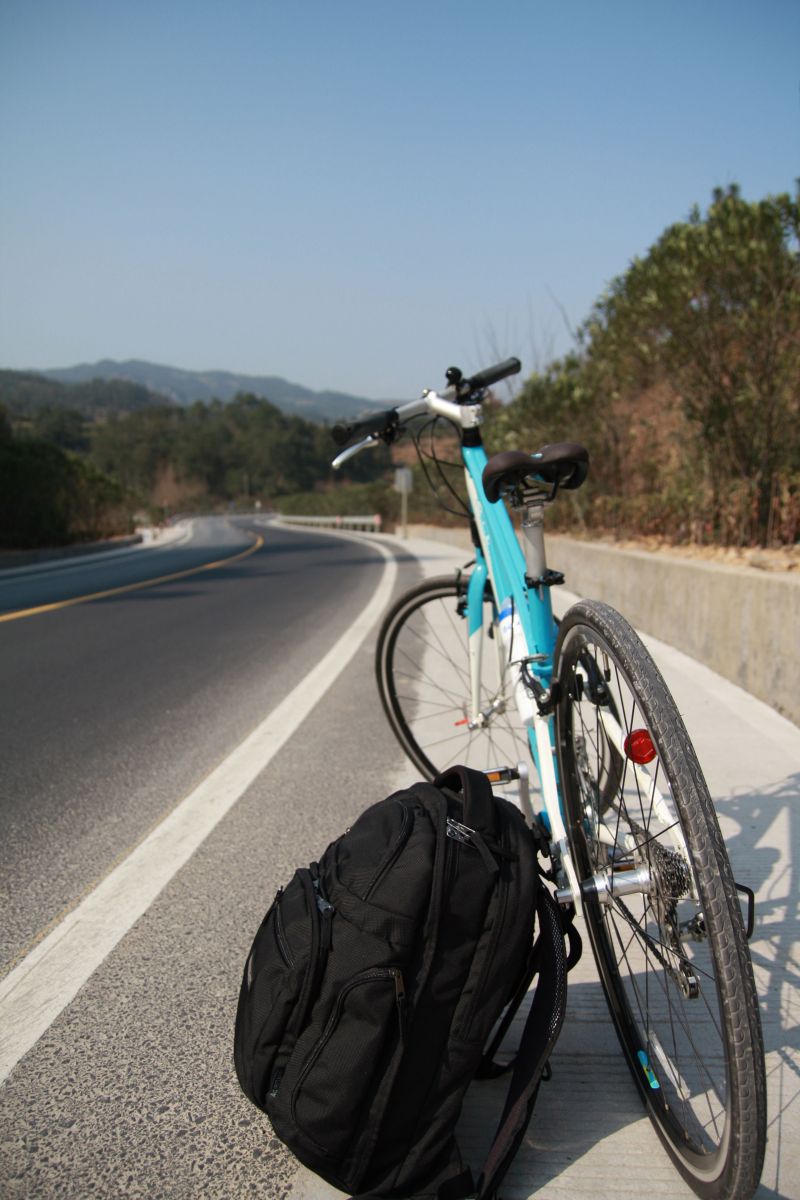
564 464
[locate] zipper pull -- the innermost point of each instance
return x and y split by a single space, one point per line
400 998
324 905
471 837
326 911
326 927
459 833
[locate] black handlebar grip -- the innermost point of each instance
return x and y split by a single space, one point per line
485 378
378 423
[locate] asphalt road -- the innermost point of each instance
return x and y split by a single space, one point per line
114 709
117 709
186 548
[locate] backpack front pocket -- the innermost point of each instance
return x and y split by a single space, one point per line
346 1080
278 984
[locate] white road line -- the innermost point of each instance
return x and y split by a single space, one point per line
40 987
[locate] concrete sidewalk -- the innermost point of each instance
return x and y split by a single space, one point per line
589 1136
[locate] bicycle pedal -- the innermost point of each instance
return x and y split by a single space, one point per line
502 775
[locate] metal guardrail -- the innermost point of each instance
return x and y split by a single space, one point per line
372 524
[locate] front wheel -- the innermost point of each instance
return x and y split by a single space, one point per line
423 670
661 906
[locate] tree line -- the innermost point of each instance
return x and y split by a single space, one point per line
76 465
49 497
683 382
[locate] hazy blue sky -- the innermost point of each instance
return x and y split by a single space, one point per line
355 194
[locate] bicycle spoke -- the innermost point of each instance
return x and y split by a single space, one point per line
654 976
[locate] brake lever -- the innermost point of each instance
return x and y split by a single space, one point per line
350 451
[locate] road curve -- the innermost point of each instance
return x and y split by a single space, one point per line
116 707
202 544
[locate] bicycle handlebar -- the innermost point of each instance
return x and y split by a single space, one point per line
490 375
452 403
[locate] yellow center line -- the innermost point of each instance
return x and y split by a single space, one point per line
134 587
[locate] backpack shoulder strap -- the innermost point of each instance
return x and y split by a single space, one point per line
479 799
542 1027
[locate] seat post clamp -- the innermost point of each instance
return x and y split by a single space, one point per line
549 579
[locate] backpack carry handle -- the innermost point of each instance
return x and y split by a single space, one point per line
479 799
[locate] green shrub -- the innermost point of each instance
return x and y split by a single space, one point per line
49 497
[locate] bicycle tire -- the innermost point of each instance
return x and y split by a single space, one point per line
422 668
674 966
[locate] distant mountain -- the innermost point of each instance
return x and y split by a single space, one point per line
184 387
24 393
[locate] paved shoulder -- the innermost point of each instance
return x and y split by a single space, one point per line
589 1136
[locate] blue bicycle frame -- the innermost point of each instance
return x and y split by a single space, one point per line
500 558
525 615
507 568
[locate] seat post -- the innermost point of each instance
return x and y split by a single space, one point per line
533 532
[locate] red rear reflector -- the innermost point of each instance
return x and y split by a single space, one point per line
639 746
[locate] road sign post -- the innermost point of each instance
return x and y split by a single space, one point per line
403 483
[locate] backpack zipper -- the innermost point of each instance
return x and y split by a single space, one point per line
281 939
376 973
398 846
451 858
322 915
400 1000
326 912
497 929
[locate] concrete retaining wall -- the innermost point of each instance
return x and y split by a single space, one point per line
742 622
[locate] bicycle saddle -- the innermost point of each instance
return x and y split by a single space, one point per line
564 464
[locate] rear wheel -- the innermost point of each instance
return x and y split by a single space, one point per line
661 909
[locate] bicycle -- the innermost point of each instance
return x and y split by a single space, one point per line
474 668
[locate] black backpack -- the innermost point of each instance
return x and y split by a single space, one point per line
378 975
